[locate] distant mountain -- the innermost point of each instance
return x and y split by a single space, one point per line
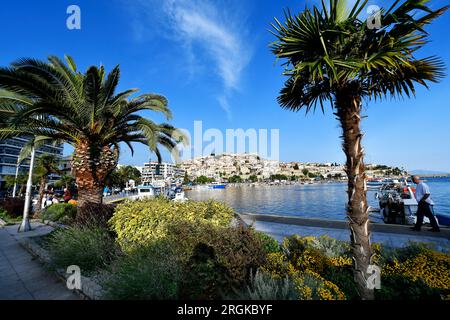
422 171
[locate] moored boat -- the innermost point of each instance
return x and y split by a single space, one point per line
397 202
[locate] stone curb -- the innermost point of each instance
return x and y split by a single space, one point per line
90 289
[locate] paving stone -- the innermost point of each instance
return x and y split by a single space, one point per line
22 277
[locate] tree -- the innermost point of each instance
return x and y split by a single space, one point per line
235 179
46 165
21 182
278 177
305 172
54 101
186 179
203 180
332 55
121 176
128 173
253 178
67 181
397 171
312 175
296 167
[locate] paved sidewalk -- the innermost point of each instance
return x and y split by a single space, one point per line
282 230
21 276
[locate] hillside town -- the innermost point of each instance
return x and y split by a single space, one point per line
251 167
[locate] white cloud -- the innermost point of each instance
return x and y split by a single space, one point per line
204 27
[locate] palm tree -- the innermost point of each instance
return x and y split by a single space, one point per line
332 55
121 176
20 182
53 101
47 164
67 180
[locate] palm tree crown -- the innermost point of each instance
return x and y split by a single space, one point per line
330 48
54 101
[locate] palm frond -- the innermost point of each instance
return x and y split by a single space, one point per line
326 50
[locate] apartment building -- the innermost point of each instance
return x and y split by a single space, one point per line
9 154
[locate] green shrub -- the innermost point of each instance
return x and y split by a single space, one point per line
13 206
342 276
389 255
88 248
421 273
303 256
8 218
264 286
60 212
151 272
311 286
322 269
400 287
234 250
140 222
204 276
270 244
330 247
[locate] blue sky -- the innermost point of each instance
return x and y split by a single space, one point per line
211 59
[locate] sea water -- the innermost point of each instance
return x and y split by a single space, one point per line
319 200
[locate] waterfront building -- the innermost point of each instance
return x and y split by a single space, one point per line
66 164
161 171
9 153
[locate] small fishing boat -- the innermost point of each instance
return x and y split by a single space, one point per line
397 202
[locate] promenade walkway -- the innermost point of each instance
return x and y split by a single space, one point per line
280 227
21 276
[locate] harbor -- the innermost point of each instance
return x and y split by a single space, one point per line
283 224
225 151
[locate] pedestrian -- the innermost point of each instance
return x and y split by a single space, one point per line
106 191
425 204
67 195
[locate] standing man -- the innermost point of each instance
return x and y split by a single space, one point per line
424 208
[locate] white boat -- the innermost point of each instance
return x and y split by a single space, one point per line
180 197
149 190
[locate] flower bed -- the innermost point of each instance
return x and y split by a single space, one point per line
157 249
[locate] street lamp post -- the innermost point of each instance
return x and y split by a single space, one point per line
25 225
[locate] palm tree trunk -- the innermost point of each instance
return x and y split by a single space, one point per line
349 114
91 166
42 183
89 192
